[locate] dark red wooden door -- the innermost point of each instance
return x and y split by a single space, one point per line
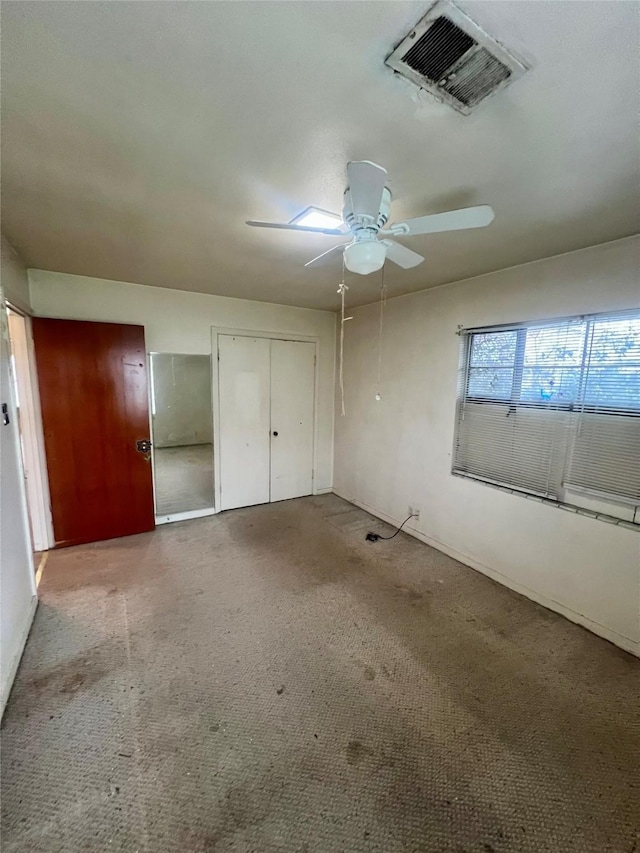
93 392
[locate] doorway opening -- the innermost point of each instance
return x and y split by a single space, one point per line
182 435
25 388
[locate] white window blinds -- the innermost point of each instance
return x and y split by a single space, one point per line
550 407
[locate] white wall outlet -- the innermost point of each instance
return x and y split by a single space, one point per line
415 512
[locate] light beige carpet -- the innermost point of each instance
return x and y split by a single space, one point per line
265 680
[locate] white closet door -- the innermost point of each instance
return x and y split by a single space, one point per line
292 399
243 385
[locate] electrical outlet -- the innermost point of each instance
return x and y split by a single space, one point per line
415 512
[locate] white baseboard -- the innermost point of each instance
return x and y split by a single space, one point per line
185 516
595 627
323 491
9 676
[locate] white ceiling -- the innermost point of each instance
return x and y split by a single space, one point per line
138 137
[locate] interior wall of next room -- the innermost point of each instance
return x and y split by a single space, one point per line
181 400
396 452
181 322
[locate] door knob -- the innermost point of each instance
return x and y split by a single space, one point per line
275 432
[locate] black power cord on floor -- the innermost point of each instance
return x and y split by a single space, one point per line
373 537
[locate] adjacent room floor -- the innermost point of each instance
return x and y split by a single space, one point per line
265 680
183 478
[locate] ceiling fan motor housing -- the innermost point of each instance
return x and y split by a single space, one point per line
366 223
365 256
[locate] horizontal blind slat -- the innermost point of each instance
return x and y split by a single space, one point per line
579 380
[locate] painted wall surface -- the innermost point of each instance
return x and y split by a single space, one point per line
180 322
17 581
182 400
397 452
14 281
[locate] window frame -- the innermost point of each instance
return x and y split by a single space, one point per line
514 402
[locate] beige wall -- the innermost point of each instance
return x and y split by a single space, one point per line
15 283
180 322
396 452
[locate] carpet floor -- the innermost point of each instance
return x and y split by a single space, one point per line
265 680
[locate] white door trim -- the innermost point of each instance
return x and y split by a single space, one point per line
215 396
184 516
32 436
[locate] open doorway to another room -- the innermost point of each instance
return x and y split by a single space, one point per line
182 432
25 387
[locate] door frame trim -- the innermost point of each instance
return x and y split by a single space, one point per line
32 437
216 331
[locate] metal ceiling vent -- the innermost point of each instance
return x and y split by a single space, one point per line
451 57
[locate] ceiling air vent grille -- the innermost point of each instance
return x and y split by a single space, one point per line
451 57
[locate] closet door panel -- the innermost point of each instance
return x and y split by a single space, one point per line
292 418
244 404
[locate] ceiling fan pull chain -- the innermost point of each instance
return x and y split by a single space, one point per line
342 288
383 302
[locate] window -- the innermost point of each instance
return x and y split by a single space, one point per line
553 409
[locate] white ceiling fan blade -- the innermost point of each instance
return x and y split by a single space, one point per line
366 183
452 220
325 256
290 226
402 256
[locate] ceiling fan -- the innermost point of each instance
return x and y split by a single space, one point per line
364 216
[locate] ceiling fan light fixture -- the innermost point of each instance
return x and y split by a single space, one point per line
364 256
315 217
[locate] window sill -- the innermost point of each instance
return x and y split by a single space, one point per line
567 507
597 502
